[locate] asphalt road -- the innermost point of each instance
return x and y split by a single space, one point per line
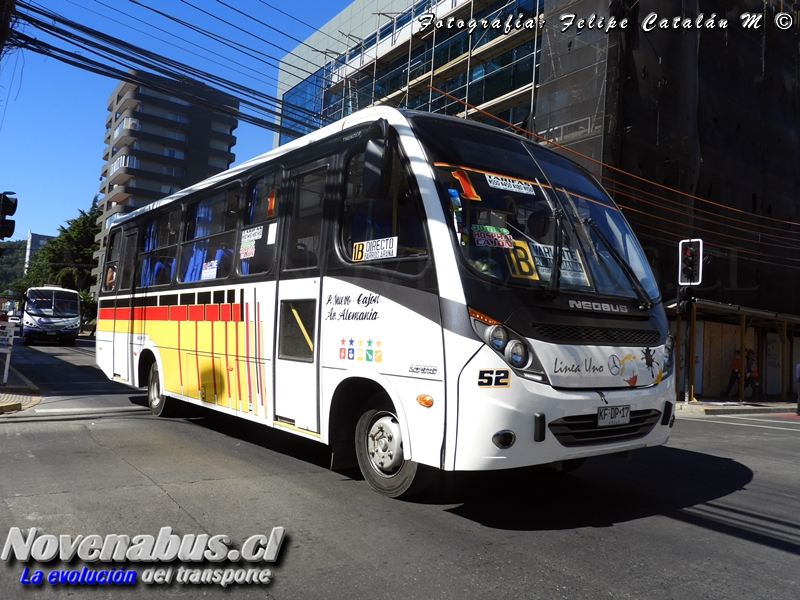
714 514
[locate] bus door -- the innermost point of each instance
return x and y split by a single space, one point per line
297 320
123 315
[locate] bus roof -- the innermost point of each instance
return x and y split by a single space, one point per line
363 116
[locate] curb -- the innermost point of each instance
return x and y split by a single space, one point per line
16 398
706 409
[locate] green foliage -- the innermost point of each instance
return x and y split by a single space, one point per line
12 263
65 260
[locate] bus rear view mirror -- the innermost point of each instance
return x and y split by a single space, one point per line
378 161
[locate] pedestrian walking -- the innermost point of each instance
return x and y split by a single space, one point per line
736 364
797 379
752 373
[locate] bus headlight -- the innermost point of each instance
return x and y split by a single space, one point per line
497 337
508 344
517 354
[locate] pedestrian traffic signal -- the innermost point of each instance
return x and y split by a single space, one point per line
8 206
690 262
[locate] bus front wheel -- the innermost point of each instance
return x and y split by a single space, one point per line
158 402
379 450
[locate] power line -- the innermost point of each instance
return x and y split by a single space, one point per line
150 60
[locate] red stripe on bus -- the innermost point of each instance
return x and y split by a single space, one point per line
197 312
212 312
213 371
224 312
106 313
197 358
227 367
260 363
138 313
156 313
247 355
237 312
178 313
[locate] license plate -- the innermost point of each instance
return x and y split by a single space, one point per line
51 333
613 415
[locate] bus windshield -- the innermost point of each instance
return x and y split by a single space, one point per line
522 213
52 303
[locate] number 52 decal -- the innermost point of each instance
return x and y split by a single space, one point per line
493 378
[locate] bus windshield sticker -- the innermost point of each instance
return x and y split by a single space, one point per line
249 237
209 270
520 262
572 270
510 185
272 231
493 237
375 249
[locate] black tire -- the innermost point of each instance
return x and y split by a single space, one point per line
27 341
379 450
160 405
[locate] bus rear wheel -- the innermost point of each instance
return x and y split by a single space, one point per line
379 450
159 404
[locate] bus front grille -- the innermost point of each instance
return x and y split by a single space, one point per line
565 334
582 430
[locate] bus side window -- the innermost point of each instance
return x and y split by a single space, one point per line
207 252
158 256
395 220
129 256
257 244
112 258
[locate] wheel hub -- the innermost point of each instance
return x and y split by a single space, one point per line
384 445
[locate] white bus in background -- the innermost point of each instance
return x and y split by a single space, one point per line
51 314
416 291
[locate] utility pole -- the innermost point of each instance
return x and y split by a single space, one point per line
6 10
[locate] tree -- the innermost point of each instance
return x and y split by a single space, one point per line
12 263
67 259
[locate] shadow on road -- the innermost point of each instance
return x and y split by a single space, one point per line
605 491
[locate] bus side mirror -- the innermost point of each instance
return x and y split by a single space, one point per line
377 173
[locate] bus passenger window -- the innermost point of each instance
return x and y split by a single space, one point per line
207 252
257 243
129 256
112 258
395 223
303 235
159 253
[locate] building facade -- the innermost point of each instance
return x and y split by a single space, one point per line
35 241
687 112
161 136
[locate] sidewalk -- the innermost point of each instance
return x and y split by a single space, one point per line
18 394
764 404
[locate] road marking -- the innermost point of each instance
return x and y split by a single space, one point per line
703 420
89 410
778 415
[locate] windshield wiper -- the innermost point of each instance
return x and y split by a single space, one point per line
554 285
637 286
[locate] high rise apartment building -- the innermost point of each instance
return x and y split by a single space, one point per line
161 136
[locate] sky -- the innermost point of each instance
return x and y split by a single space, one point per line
52 115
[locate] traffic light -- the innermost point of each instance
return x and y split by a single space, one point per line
690 257
8 206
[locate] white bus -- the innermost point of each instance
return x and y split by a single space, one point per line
408 288
51 314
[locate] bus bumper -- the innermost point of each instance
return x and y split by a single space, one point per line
547 425
59 335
